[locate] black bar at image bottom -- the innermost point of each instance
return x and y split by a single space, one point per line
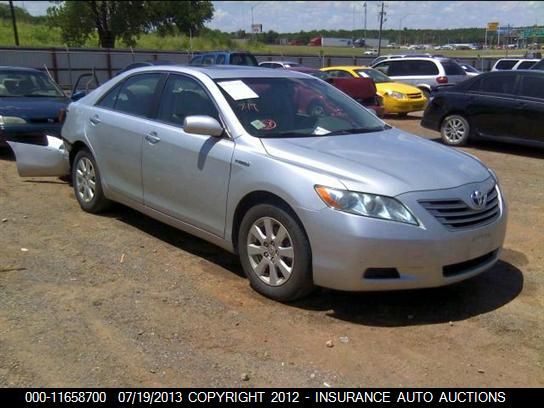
119 397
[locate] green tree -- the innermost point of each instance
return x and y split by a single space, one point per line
126 20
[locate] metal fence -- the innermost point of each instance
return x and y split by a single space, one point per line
66 64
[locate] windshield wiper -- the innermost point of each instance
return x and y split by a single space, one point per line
41 96
357 130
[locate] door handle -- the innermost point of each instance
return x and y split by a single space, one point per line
95 120
152 138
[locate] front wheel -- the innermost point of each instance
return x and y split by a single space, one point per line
87 183
455 130
275 253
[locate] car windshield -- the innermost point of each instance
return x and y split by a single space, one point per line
29 84
295 107
376 75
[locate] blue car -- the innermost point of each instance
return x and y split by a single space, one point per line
30 105
224 58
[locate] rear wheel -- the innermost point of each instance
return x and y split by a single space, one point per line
275 253
87 183
455 130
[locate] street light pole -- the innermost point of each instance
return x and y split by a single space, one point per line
15 33
382 13
253 22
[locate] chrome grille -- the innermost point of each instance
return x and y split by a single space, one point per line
414 95
456 214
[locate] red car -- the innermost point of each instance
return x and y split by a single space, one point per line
363 90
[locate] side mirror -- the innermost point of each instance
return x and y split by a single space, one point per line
203 125
78 95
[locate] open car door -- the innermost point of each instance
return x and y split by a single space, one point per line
35 160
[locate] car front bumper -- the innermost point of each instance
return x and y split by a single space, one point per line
345 247
393 105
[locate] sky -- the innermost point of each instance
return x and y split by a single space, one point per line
294 16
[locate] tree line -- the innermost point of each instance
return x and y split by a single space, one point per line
125 21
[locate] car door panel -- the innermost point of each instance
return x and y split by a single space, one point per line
531 108
186 175
116 128
41 161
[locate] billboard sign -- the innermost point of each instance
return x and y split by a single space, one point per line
492 26
256 28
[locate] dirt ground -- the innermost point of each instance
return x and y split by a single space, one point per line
123 300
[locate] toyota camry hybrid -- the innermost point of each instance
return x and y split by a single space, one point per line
333 198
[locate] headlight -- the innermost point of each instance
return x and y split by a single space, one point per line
368 205
11 120
394 94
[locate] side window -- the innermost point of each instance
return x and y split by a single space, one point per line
421 68
396 68
220 59
501 84
137 94
208 60
108 100
526 64
196 60
506 64
267 65
532 86
384 67
182 97
339 74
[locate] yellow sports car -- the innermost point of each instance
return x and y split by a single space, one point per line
397 97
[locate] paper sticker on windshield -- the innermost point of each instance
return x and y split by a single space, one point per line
257 124
320 131
238 90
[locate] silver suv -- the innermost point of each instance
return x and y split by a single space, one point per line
426 73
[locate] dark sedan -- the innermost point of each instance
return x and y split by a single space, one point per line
500 105
30 105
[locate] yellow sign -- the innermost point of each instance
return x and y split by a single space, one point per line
492 26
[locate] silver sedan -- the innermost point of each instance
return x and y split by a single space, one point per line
301 181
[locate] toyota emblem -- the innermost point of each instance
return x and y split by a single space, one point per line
479 199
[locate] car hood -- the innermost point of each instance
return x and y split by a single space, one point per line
390 162
31 108
383 87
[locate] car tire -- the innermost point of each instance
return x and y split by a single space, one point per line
402 114
455 130
275 253
87 183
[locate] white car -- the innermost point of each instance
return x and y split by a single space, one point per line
372 52
513 64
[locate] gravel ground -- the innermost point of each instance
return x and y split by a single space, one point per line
123 300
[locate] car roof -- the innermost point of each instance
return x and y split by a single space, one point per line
24 69
439 59
280 62
225 71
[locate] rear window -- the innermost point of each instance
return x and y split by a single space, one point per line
506 64
526 64
453 68
538 65
243 59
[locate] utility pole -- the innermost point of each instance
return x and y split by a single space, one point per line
382 14
365 22
14 23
